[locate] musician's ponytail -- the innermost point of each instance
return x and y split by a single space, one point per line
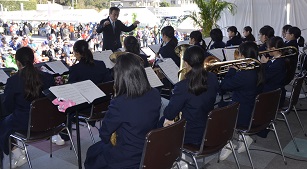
29 73
197 76
81 46
198 38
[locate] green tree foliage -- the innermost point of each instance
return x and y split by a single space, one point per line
15 5
210 13
164 4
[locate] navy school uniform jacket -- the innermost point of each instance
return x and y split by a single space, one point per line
168 51
98 73
234 41
195 109
218 44
291 62
132 119
243 85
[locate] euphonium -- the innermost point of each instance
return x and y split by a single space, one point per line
179 50
114 56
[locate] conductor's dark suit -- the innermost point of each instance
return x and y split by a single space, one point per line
111 39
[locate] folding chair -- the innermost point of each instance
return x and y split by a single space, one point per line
263 117
44 121
163 146
297 86
99 109
216 136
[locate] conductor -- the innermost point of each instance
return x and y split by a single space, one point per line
112 28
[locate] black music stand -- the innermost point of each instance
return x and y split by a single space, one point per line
76 109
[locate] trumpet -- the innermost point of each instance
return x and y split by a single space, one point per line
287 51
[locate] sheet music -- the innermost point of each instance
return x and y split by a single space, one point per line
89 90
57 67
3 76
104 56
183 42
170 69
44 69
147 51
153 78
217 53
68 92
155 48
229 54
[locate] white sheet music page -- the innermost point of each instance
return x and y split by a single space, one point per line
57 67
155 48
147 51
3 76
68 92
89 90
229 54
217 53
170 69
153 79
104 56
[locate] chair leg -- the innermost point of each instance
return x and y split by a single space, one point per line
278 142
299 120
195 161
27 154
288 126
234 154
90 131
178 165
10 152
247 150
50 147
71 142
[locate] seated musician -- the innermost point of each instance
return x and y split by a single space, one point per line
132 113
131 45
217 38
284 31
21 89
244 86
293 38
194 96
247 33
234 36
167 51
196 38
275 69
87 68
265 33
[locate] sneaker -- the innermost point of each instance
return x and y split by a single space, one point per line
249 141
23 152
19 161
226 151
58 140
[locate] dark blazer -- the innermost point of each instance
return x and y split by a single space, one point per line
194 108
15 103
234 41
111 39
248 38
144 57
243 85
275 74
98 73
291 62
218 44
132 119
168 51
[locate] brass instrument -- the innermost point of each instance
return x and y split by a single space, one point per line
114 56
179 50
287 51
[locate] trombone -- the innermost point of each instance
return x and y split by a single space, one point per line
287 51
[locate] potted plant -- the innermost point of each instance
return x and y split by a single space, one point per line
210 13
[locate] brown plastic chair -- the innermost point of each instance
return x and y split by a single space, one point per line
263 117
219 132
295 93
163 146
99 109
44 121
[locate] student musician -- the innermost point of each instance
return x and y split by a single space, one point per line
293 38
247 33
196 38
265 33
87 68
284 30
132 113
132 45
244 86
194 96
234 36
275 69
168 50
217 38
21 89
